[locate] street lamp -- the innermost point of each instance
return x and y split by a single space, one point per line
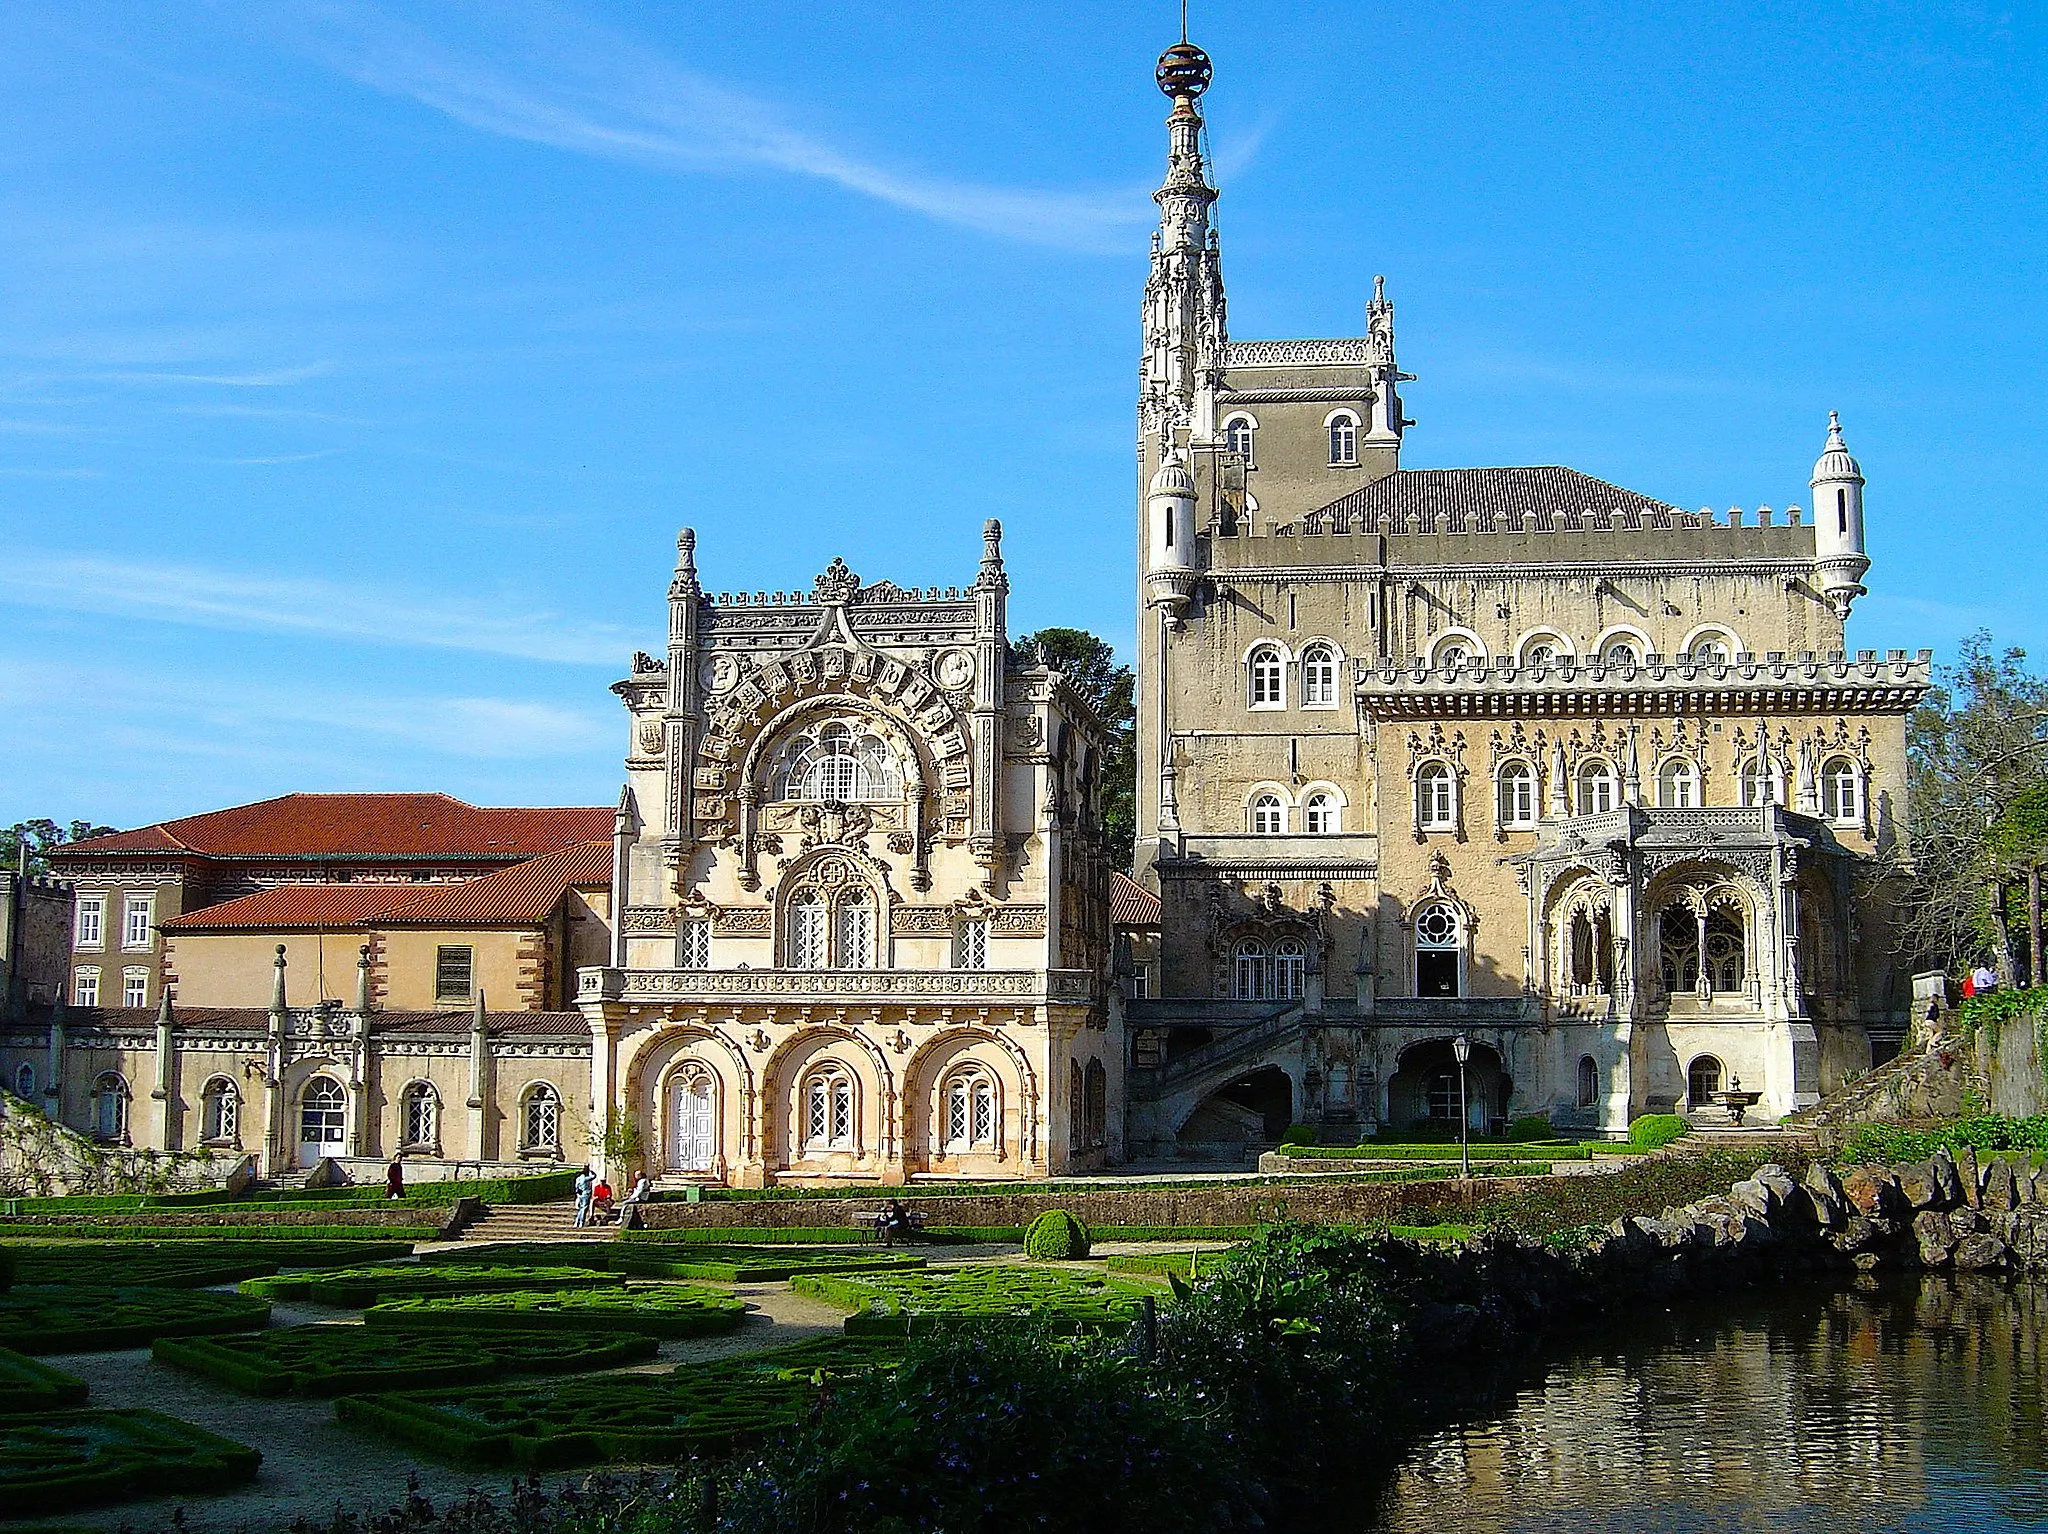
1461 1048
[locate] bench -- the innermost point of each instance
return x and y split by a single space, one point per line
876 1223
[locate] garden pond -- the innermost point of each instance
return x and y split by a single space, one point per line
1901 1406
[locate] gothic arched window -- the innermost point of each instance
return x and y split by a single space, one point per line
1237 436
1515 794
541 1120
1439 949
842 762
1841 791
1251 970
1678 785
829 1121
1268 677
1711 648
1319 814
1597 789
1762 783
421 1109
220 1112
110 1107
854 936
970 1109
1290 968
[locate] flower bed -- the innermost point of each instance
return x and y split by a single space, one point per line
82 1318
29 1386
621 1418
888 1304
345 1360
656 1310
354 1288
74 1459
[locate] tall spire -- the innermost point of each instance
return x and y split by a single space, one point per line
1184 315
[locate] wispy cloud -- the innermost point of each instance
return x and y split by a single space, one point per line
274 378
549 78
254 603
325 452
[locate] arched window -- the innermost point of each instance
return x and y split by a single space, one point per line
1268 677
1621 652
1762 782
322 1119
1290 969
1702 1081
421 1108
220 1112
541 1120
844 763
829 1123
1678 785
1097 1104
810 938
1436 797
1319 815
1515 796
1077 1106
1439 949
856 930
1711 648
1597 789
1319 676
970 1107
110 1107
1251 969
1543 650
1237 436
1343 440
1452 652
1589 1081
1841 791
25 1080
1269 815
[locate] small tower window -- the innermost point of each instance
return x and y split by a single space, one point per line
1343 441
1842 511
1319 677
1436 805
1237 436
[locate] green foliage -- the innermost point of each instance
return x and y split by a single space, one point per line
1092 669
349 1360
1188 1265
655 1310
74 1459
1653 1131
29 1386
78 1318
617 1135
93 1230
38 838
741 1265
891 1304
1564 1207
1890 1144
8 1267
1056 1236
1529 1128
621 1417
1545 1149
1300 1134
354 1288
992 1433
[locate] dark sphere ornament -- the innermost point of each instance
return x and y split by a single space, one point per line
1184 70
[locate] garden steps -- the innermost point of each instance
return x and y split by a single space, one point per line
534 1222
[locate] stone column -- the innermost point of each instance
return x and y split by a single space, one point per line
165 1091
480 1078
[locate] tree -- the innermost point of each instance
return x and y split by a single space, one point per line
1090 666
1977 764
40 836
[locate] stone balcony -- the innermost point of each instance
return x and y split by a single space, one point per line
1029 987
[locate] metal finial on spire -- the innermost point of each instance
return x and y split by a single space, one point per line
1183 20
1184 70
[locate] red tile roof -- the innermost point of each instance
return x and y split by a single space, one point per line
1131 904
523 895
362 826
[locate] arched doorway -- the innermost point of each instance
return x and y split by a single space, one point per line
322 1119
692 1119
1702 1081
1422 1094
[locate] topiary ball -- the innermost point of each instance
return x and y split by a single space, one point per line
1056 1235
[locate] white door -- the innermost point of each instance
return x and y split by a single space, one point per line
320 1121
695 1117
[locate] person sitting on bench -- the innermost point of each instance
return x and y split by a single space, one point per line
896 1221
640 1194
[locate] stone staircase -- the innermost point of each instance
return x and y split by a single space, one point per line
534 1222
1215 1063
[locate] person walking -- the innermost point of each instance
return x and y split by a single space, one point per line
586 1181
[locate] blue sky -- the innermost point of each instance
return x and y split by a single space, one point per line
358 363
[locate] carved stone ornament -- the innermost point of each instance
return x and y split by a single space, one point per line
837 584
650 737
922 921
833 824
719 674
955 669
744 921
758 1040
1027 732
902 843
644 663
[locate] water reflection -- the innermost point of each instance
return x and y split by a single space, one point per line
1907 1406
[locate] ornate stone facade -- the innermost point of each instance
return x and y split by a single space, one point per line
1514 753
866 922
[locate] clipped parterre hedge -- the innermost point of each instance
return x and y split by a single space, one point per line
1056 1236
354 1288
1490 1150
346 1360
1654 1131
42 1232
73 1459
754 1265
655 1310
622 1417
183 1264
889 1304
80 1318
29 1386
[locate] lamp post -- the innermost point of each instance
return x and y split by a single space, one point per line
1461 1047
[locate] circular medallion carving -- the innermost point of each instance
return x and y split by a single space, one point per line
720 674
955 669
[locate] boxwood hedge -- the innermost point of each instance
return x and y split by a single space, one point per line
83 1318
28 1386
347 1360
619 1418
184 1264
44 1231
354 1288
657 1310
888 1304
72 1459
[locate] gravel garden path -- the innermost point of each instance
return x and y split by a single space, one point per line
311 1463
